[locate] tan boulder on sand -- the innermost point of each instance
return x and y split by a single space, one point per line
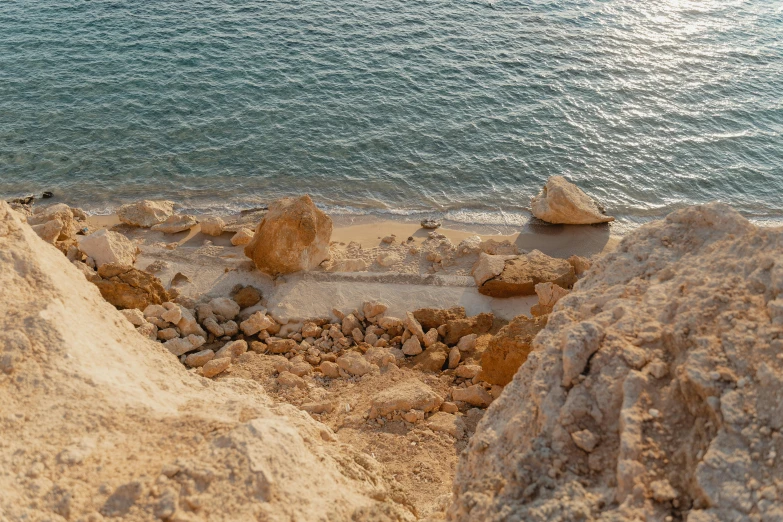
99 423
145 213
521 274
294 235
562 202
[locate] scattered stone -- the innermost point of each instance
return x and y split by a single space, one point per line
226 309
405 396
468 246
454 358
243 237
300 368
199 359
212 226
154 310
430 224
311 330
467 371
330 369
105 247
389 239
173 313
373 309
281 345
433 359
167 334
188 324
293 236
563 202
413 416
349 324
258 346
499 248
247 296
413 326
456 329
548 295
434 318
449 407
467 343
256 323
348 265
176 223
355 364
430 338
379 356
580 264
390 324
290 380
57 219
145 213
474 395
521 274
148 330
412 346
134 315
127 287
318 407
233 349
215 367
509 349
447 423
181 345
488 267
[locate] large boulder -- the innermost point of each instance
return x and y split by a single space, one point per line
127 287
562 202
106 246
101 423
294 235
145 213
655 390
521 274
508 349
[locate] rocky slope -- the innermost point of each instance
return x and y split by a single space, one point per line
99 422
654 393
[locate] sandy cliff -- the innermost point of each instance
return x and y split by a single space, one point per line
655 391
97 421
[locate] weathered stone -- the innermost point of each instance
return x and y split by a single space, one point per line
379 356
212 225
213 327
509 349
580 264
563 202
433 317
49 231
289 380
499 248
127 287
412 346
311 330
387 259
181 345
232 349
134 316
173 314
330 369
474 395
230 328
548 295
243 237
447 423
372 309
349 324
176 223
454 358
154 310
467 343
355 364
293 236
145 213
467 371
318 407
585 440
255 323
449 407
405 396
479 324
148 330
433 359
413 326
247 296
57 219
226 309
199 359
521 274
105 246
281 345
413 416
430 338
215 367
488 266
167 334
188 325
430 224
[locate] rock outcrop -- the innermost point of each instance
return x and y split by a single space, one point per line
655 392
127 287
293 236
520 274
562 202
508 349
54 223
145 213
100 422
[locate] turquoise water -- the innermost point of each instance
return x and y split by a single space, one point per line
388 106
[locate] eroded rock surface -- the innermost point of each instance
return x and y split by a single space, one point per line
655 392
127 287
508 349
521 274
562 202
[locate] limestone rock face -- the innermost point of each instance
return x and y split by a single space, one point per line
82 391
105 246
562 202
656 388
54 223
521 274
293 236
127 287
145 213
508 349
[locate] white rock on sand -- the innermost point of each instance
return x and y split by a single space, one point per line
176 223
105 246
562 202
71 361
145 213
681 403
